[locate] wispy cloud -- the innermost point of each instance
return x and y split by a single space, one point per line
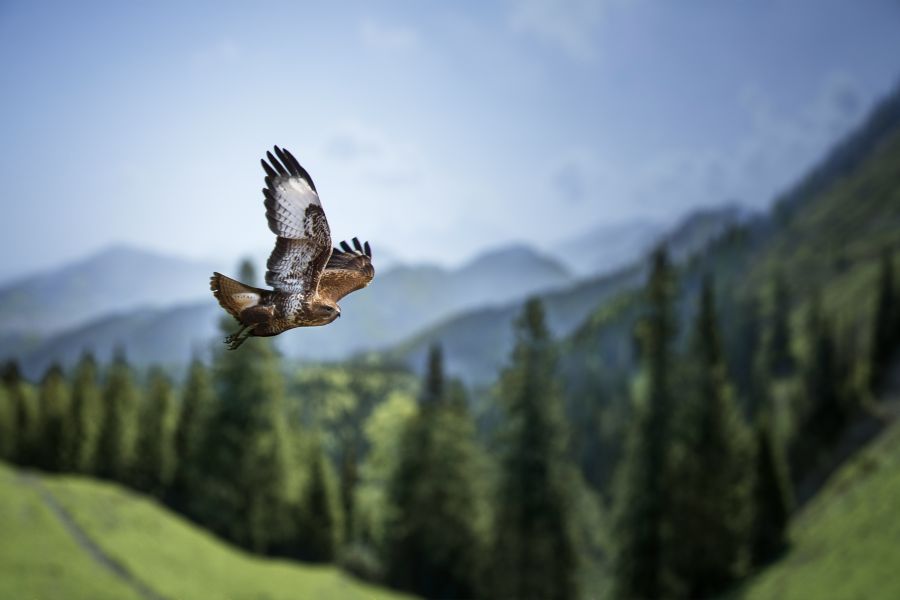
391 37
222 51
573 26
579 176
374 156
781 143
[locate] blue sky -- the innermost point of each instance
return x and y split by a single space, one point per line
434 129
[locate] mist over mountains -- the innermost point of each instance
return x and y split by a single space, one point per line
116 279
159 310
158 307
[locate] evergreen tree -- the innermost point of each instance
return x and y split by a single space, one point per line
534 547
26 411
744 351
115 443
318 526
7 426
55 432
196 405
640 512
87 415
778 355
771 496
825 414
432 546
886 326
243 493
155 456
433 389
708 488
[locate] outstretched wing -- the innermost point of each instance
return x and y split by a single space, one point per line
295 215
349 269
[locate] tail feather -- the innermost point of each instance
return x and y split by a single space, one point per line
234 296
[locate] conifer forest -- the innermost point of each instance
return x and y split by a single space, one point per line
699 406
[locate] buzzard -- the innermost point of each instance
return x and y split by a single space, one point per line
308 277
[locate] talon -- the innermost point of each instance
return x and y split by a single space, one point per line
234 340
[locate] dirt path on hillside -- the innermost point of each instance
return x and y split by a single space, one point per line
86 543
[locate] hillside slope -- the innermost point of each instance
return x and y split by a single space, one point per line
133 548
477 343
827 246
844 542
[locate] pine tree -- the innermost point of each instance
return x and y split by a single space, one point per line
771 496
708 486
318 533
87 415
640 511
886 326
115 444
826 412
55 412
26 409
7 426
243 495
744 351
155 453
197 402
778 355
534 547
433 389
432 545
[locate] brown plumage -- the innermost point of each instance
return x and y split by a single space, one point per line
307 275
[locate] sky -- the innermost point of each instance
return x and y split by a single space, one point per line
436 130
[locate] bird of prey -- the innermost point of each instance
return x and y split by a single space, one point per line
308 277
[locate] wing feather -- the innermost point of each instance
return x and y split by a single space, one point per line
295 215
348 270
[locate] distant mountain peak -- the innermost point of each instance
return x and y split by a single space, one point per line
518 259
118 277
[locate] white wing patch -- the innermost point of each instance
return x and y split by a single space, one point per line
286 211
245 299
295 215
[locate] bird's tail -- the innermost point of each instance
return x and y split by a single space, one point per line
234 296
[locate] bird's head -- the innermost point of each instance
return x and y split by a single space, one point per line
327 311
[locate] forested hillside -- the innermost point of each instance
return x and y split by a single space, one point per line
673 444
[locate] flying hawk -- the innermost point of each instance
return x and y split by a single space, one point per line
307 276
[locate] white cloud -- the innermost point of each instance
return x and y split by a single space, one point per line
579 176
779 147
374 156
571 25
223 51
380 36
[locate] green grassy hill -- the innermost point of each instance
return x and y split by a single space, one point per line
73 538
844 542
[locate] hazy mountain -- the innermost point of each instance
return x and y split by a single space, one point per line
702 226
613 246
115 279
607 247
397 304
476 344
824 235
166 336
